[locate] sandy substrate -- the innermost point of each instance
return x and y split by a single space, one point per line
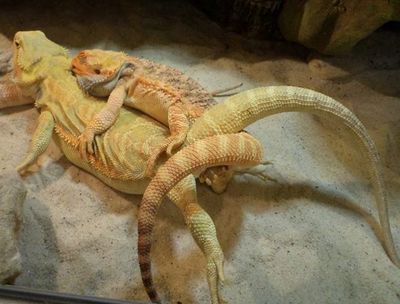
306 239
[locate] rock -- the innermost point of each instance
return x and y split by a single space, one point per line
251 18
5 55
12 193
334 27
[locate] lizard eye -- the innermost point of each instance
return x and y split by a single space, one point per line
97 71
17 44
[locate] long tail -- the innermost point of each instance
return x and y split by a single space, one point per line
238 149
239 111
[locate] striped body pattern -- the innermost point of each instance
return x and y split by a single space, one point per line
233 149
42 76
247 107
157 90
239 111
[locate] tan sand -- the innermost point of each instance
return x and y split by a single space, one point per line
305 239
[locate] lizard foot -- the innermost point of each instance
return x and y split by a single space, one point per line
205 235
86 143
258 171
175 142
151 162
215 275
217 178
170 143
24 165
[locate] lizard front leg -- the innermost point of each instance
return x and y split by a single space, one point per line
40 141
179 126
102 120
11 95
184 196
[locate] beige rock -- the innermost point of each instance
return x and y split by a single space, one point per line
334 27
301 240
12 196
5 54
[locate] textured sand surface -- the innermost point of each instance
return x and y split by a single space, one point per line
306 239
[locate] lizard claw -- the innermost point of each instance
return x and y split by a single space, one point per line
86 140
215 275
217 178
151 163
171 143
259 171
175 142
23 166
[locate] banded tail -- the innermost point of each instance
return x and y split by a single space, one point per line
233 149
241 110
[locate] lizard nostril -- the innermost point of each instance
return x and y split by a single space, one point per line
97 71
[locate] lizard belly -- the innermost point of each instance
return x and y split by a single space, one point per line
126 186
122 151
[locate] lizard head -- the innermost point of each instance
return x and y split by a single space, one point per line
29 48
98 62
98 71
217 178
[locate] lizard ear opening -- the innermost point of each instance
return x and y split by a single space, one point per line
81 57
35 46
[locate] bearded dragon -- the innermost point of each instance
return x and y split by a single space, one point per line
231 116
42 75
157 90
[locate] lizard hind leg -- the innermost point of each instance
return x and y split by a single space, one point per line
179 126
212 151
218 178
258 171
203 231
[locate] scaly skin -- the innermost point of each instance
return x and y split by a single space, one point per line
158 90
234 115
172 98
231 116
231 149
42 75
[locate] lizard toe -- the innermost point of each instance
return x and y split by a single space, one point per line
82 148
175 143
151 163
90 147
22 168
215 276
